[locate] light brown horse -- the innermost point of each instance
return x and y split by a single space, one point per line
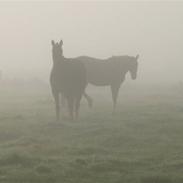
68 78
109 72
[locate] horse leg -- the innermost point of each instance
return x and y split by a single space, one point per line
71 106
64 106
77 106
115 91
57 106
63 100
89 100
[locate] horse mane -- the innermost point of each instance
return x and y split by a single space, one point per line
126 59
121 57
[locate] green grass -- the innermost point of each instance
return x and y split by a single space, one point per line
141 143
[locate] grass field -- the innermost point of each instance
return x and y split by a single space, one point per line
141 143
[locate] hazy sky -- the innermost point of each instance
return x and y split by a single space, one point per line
154 30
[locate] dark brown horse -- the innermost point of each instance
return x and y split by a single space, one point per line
68 78
109 72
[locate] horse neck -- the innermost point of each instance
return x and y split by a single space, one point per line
125 67
57 62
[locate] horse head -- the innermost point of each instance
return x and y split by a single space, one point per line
57 51
133 67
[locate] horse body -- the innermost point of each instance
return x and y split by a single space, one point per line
99 73
67 77
109 72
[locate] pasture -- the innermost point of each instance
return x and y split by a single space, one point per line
141 143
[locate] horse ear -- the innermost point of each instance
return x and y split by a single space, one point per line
137 57
61 43
53 43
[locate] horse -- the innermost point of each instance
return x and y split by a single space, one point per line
68 78
109 72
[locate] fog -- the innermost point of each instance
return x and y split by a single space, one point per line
99 29
69 130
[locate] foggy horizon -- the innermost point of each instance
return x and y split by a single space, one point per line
98 29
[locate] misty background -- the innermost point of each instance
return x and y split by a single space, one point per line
141 142
154 30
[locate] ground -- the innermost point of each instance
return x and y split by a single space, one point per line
141 143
